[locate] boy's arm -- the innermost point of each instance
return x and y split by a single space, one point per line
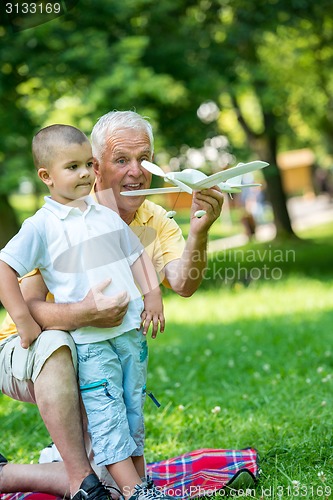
145 276
12 299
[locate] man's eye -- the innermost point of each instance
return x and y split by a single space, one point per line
121 161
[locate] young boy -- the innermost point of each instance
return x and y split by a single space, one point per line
76 244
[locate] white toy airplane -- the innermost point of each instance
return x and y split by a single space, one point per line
189 180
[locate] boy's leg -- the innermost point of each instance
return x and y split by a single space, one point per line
133 354
101 379
132 350
125 475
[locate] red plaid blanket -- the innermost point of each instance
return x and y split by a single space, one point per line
30 496
202 472
194 474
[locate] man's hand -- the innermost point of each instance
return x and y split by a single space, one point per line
101 310
210 200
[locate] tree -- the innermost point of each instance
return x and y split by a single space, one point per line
165 59
217 48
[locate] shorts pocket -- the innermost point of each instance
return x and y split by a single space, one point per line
95 386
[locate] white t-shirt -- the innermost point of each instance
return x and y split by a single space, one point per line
76 250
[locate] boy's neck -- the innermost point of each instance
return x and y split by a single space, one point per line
79 203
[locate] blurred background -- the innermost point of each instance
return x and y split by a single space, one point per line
221 81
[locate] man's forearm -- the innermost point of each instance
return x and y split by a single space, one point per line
185 274
58 316
96 309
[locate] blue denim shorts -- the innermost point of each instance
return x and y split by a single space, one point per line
112 377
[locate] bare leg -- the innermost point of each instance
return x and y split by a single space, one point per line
125 475
140 465
57 397
45 478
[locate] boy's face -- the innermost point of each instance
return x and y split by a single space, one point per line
70 175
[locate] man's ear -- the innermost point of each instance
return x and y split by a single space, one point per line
96 167
44 176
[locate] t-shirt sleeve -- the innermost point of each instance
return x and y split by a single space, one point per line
162 239
171 241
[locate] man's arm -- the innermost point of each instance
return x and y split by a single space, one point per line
185 274
96 309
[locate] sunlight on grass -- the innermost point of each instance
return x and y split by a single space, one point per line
258 301
241 364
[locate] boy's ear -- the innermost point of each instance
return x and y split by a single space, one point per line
44 176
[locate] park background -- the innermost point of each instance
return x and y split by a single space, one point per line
248 360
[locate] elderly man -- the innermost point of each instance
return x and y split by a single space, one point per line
121 141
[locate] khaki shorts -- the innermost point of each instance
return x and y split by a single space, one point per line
20 367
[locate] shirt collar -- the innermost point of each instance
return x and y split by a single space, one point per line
62 211
142 215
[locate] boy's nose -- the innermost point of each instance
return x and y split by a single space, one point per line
84 172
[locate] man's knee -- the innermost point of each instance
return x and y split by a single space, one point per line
54 349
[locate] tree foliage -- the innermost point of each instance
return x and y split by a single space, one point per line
266 65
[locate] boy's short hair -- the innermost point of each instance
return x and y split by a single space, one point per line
49 138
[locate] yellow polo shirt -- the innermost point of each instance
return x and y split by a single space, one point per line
161 237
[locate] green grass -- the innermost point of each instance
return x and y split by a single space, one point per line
260 350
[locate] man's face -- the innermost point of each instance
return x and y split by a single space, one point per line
120 168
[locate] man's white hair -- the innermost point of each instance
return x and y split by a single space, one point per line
114 121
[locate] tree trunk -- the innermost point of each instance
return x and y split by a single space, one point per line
275 191
8 221
277 198
264 146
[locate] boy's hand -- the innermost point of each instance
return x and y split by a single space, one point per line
28 330
153 313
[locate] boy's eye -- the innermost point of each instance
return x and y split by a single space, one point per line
72 167
90 163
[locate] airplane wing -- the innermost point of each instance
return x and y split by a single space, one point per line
153 168
241 186
145 192
225 175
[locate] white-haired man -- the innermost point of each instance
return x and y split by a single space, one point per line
121 140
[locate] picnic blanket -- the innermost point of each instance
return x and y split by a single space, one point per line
198 473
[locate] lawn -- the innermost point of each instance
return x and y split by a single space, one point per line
244 362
